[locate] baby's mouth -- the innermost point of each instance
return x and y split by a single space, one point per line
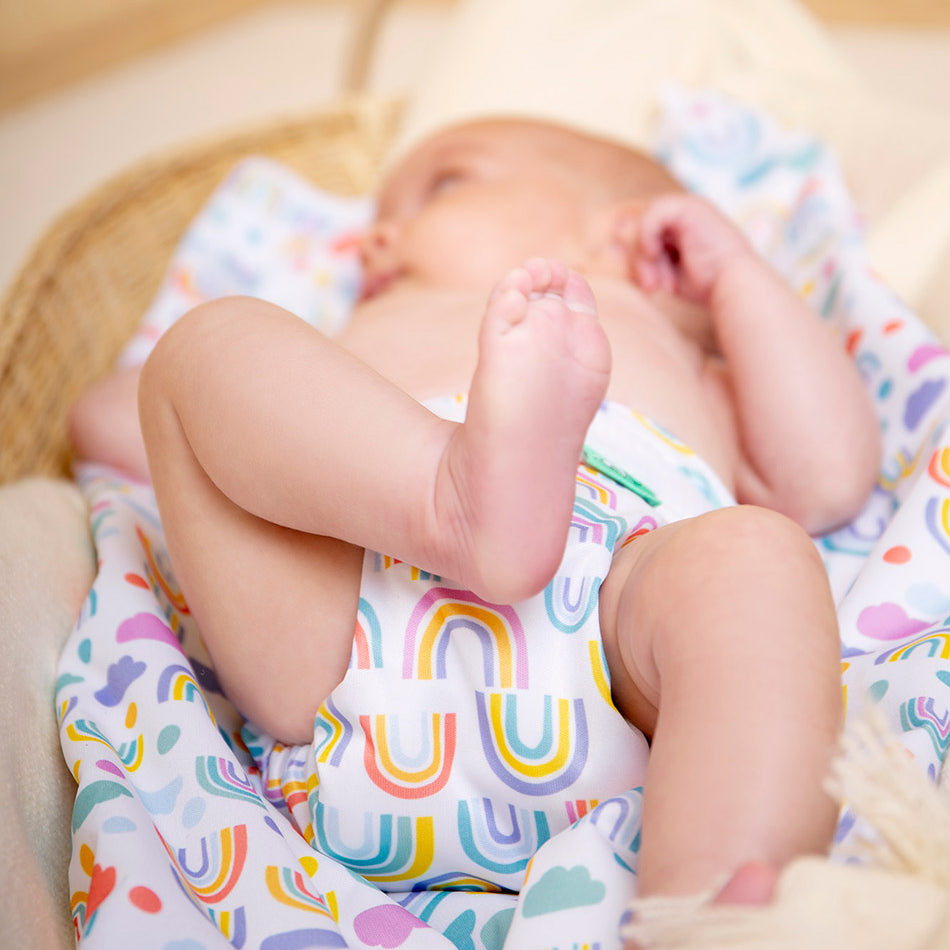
376 284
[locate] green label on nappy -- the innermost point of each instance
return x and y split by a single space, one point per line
597 462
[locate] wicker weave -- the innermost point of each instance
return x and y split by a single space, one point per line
84 289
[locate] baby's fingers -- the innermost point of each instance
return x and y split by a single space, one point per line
653 275
662 222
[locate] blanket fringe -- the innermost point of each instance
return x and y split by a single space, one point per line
892 894
877 777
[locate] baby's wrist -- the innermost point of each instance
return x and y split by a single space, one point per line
735 267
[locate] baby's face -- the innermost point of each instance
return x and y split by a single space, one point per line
475 201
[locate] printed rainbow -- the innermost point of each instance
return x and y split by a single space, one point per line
288 886
174 595
177 684
936 644
336 732
444 613
367 639
595 489
939 467
505 851
222 855
554 763
401 775
920 713
224 778
570 600
394 848
938 521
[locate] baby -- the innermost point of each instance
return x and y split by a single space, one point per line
278 456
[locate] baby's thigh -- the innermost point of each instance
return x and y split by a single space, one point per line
704 591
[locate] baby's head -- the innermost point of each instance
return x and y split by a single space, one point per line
477 199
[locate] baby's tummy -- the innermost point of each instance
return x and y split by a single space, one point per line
699 415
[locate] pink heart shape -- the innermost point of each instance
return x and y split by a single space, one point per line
888 621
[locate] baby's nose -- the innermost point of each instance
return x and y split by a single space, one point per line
378 257
376 246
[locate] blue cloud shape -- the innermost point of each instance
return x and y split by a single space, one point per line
560 888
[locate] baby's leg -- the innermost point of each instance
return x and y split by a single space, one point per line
508 474
266 441
721 637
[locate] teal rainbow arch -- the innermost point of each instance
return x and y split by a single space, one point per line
224 778
503 847
921 713
570 598
393 848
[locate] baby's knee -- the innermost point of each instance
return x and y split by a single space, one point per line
190 347
723 561
748 553
195 333
753 535
734 541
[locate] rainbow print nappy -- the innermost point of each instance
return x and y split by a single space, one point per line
466 734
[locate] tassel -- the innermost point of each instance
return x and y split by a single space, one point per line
898 898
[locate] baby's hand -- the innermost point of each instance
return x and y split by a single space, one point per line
683 245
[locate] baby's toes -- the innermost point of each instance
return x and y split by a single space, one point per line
548 275
578 295
508 302
552 278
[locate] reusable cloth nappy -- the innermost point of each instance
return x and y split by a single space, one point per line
465 734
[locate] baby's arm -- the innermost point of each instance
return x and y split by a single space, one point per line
104 424
809 441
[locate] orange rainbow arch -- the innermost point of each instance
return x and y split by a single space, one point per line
222 860
367 639
939 467
175 597
386 766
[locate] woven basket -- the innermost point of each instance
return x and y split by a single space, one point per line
82 292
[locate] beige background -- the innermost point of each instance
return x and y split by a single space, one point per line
110 82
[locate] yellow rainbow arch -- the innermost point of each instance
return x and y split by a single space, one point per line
442 612
425 853
553 764
939 646
488 618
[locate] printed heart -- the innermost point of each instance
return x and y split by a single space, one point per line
889 621
386 926
100 887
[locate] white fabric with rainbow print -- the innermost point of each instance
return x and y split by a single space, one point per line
179 841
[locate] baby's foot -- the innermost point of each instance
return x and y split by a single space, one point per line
543 368
753 883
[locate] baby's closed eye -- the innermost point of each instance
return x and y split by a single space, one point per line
445 180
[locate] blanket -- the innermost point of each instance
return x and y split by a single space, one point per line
180 842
